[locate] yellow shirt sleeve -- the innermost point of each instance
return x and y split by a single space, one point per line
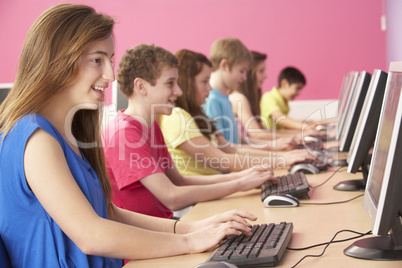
270 102
178 127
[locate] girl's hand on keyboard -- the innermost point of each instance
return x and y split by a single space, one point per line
295 156
211 231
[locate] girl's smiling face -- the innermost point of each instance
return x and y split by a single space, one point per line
95 73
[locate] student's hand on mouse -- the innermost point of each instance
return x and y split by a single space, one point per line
311 125
211 231
300 139
310 132
296 156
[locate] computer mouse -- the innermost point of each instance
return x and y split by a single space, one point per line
311 138
281 200
305 168
321 128
216 264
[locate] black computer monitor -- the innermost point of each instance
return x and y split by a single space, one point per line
4 89
353 114
366 129
342 93
364 136
345 99
383 198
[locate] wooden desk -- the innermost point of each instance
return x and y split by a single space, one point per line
313 224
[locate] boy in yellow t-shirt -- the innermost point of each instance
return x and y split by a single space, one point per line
275 103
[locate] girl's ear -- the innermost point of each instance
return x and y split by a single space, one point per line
140 86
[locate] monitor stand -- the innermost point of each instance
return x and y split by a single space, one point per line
374 248
354 185
382 248
351 185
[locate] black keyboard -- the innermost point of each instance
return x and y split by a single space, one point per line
264 247
293 184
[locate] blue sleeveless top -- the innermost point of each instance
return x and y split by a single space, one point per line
31 237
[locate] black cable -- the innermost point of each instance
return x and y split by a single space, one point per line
333 203
327 245
336 241
330 177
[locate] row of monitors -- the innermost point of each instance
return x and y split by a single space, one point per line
359 114
369 120
370 114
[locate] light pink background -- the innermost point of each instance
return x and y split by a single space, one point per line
324 38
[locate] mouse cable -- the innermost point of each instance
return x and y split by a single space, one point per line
334 203
330 177
330 242
335 241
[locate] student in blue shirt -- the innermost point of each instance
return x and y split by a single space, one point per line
230 62
54 191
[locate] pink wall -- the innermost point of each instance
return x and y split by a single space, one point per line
324 38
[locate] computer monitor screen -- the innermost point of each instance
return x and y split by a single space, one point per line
345 100
354 111
4 89
347 79
366 129
382 198
342 92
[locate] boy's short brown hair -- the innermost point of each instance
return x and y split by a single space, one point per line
143 61
231 49
292 75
